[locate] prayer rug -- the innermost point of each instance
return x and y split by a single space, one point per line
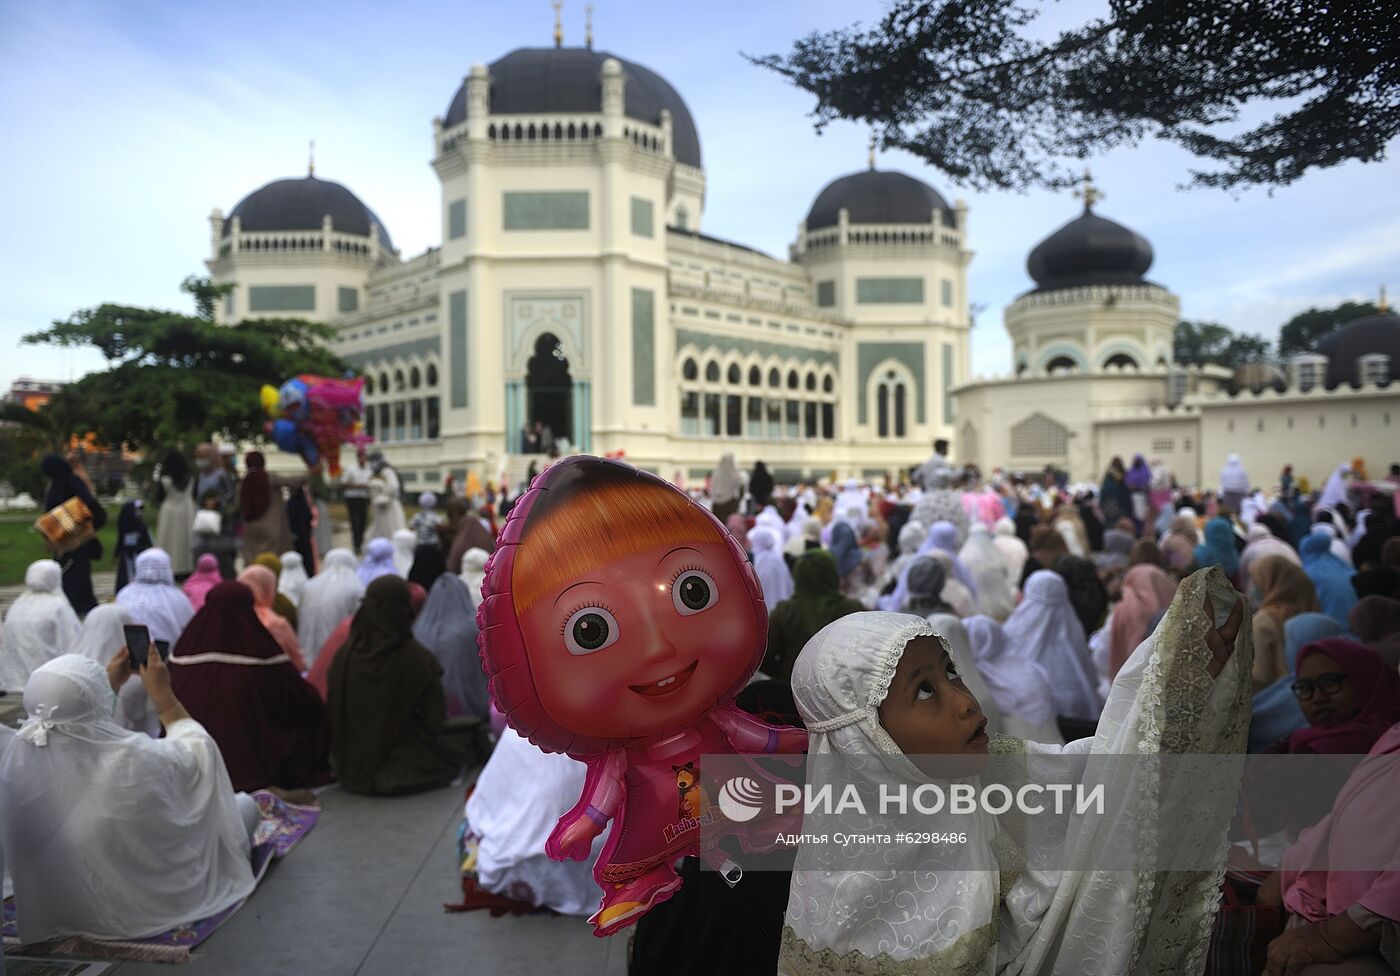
280 829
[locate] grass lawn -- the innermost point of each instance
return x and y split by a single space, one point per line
20 545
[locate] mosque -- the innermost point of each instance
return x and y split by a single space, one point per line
574 287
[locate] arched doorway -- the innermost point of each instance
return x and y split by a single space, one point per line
549 388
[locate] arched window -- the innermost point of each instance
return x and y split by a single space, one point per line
899 412
690 370
812 381
415 378
882 411
735 373
1060 362
755 376
712 372
383 382
369 386
892 405
398 380
1121 360
432 375
774 377
793 381
683 218
828 385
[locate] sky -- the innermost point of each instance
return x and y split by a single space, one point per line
127 123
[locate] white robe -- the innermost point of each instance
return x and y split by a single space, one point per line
100 640
112 834
769 565
519 797
175 527
404 543
153 599
292 580
386 511
474 571
328 598
39 625
1045 629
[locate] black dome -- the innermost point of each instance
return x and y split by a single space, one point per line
533 80
877 196
1090 250
1379 333
300 205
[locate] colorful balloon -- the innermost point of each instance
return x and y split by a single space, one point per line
618 622
314 415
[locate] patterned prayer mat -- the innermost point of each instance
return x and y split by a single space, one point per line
280 829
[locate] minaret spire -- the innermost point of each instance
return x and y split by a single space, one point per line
311 159
1090 194
558 6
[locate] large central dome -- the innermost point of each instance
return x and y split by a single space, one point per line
1090 250
877 196
537 80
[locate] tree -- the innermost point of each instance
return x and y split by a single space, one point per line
1303 331
175 379
1212 344
959 84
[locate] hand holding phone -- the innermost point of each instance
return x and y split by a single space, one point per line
138 645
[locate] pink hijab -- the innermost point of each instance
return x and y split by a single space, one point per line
204 578
263 583
1377 687
1147 591
1360 830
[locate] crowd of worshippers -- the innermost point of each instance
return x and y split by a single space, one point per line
309 666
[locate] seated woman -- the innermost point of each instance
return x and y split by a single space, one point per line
446 626
39 624
388 713
263 585
1283 592
204 578
101 638
153 598
1045 628
1344 918
111 834
1275 712
329 597
1348 695
269 723
815 602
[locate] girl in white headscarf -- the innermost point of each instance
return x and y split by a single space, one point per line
100 639
40 624
153 598
768 563
1045 629
292 580
328 598
112 834
994 594
877 689
1018 685
474 571
1012 550
404 543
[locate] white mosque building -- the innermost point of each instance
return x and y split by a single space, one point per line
574 286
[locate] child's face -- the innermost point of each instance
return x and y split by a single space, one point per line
644 644
929 710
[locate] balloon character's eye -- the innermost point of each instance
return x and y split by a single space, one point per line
693 591
590 629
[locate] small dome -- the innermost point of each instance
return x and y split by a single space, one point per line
301 205
540 80
1258 377
1379 333
1089 250
877 196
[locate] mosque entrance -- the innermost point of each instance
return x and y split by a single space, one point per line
549 391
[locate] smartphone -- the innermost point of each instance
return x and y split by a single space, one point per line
138 645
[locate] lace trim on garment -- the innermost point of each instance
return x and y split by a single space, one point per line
1175 695
965 957
216 657
893 651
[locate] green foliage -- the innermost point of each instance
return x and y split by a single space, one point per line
1212 344
962 85
1303 331
175 379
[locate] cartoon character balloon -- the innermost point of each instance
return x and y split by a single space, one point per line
619 621
314 415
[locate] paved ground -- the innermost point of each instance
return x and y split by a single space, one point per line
362 895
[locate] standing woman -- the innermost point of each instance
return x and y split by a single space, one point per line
260 504
1114 498
215 491
175 523
384 489
726 487
77 574
133 538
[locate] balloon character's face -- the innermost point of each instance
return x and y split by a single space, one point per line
616 610
645 643
291 399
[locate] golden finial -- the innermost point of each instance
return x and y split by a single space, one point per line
588 27
311 159
1383 305
1090 194
558 5
872 150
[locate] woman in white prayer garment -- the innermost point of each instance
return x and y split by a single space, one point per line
880 691
39 624
111 834
327 598
153 599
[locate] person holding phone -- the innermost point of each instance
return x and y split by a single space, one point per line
87 808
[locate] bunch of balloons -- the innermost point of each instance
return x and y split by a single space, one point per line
314 415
